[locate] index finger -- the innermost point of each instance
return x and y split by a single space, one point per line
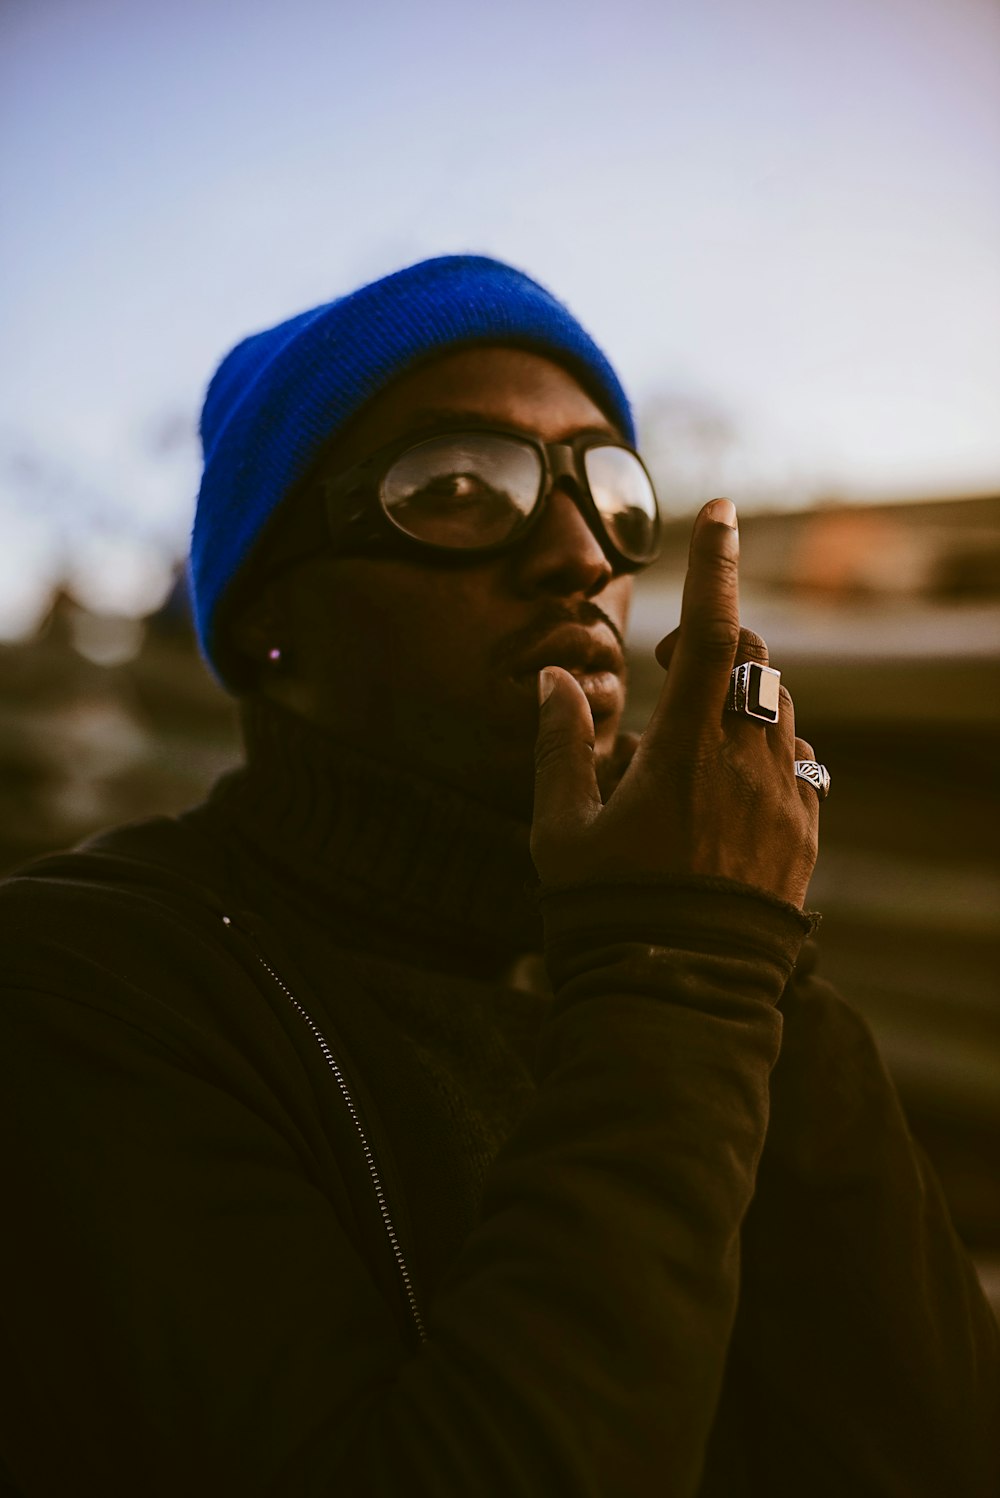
694 693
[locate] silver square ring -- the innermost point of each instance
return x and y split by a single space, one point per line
753 691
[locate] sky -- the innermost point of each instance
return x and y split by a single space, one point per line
781 219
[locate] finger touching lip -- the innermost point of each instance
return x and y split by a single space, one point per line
604 690
593 657
574 647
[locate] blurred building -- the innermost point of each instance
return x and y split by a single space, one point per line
885 621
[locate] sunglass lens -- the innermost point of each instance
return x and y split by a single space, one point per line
624 495
464 490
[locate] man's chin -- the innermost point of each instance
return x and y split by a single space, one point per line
513 793
507 787
488 753
505 778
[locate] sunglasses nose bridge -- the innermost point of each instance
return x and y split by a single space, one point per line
566 473
562 464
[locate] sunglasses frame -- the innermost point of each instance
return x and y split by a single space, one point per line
355 519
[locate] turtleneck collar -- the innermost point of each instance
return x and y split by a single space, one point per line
396 864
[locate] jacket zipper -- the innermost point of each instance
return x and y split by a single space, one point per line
376 1179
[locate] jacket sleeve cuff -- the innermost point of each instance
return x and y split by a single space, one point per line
707 917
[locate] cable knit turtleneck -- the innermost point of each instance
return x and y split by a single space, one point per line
395 864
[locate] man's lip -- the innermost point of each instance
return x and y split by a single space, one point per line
583 652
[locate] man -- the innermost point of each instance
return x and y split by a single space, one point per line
320 1180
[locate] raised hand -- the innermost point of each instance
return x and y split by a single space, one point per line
707 792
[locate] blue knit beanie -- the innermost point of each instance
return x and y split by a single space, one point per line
279 397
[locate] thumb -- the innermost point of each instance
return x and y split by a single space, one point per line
566 791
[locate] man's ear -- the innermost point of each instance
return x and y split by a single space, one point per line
256 628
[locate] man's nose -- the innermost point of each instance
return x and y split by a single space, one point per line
562 555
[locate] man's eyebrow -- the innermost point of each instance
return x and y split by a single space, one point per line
428 417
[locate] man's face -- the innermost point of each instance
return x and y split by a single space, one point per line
436 666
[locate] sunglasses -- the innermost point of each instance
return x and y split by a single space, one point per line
473 492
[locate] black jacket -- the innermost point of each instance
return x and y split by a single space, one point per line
222 1275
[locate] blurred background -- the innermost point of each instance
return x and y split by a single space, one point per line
781 220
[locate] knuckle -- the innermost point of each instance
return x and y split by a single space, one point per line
554 748
810 843
752 646
748 777
724 565
800 833
718 637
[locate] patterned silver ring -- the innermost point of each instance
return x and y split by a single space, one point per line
816 775
753 691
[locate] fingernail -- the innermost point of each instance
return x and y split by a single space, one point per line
723 510
546 681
